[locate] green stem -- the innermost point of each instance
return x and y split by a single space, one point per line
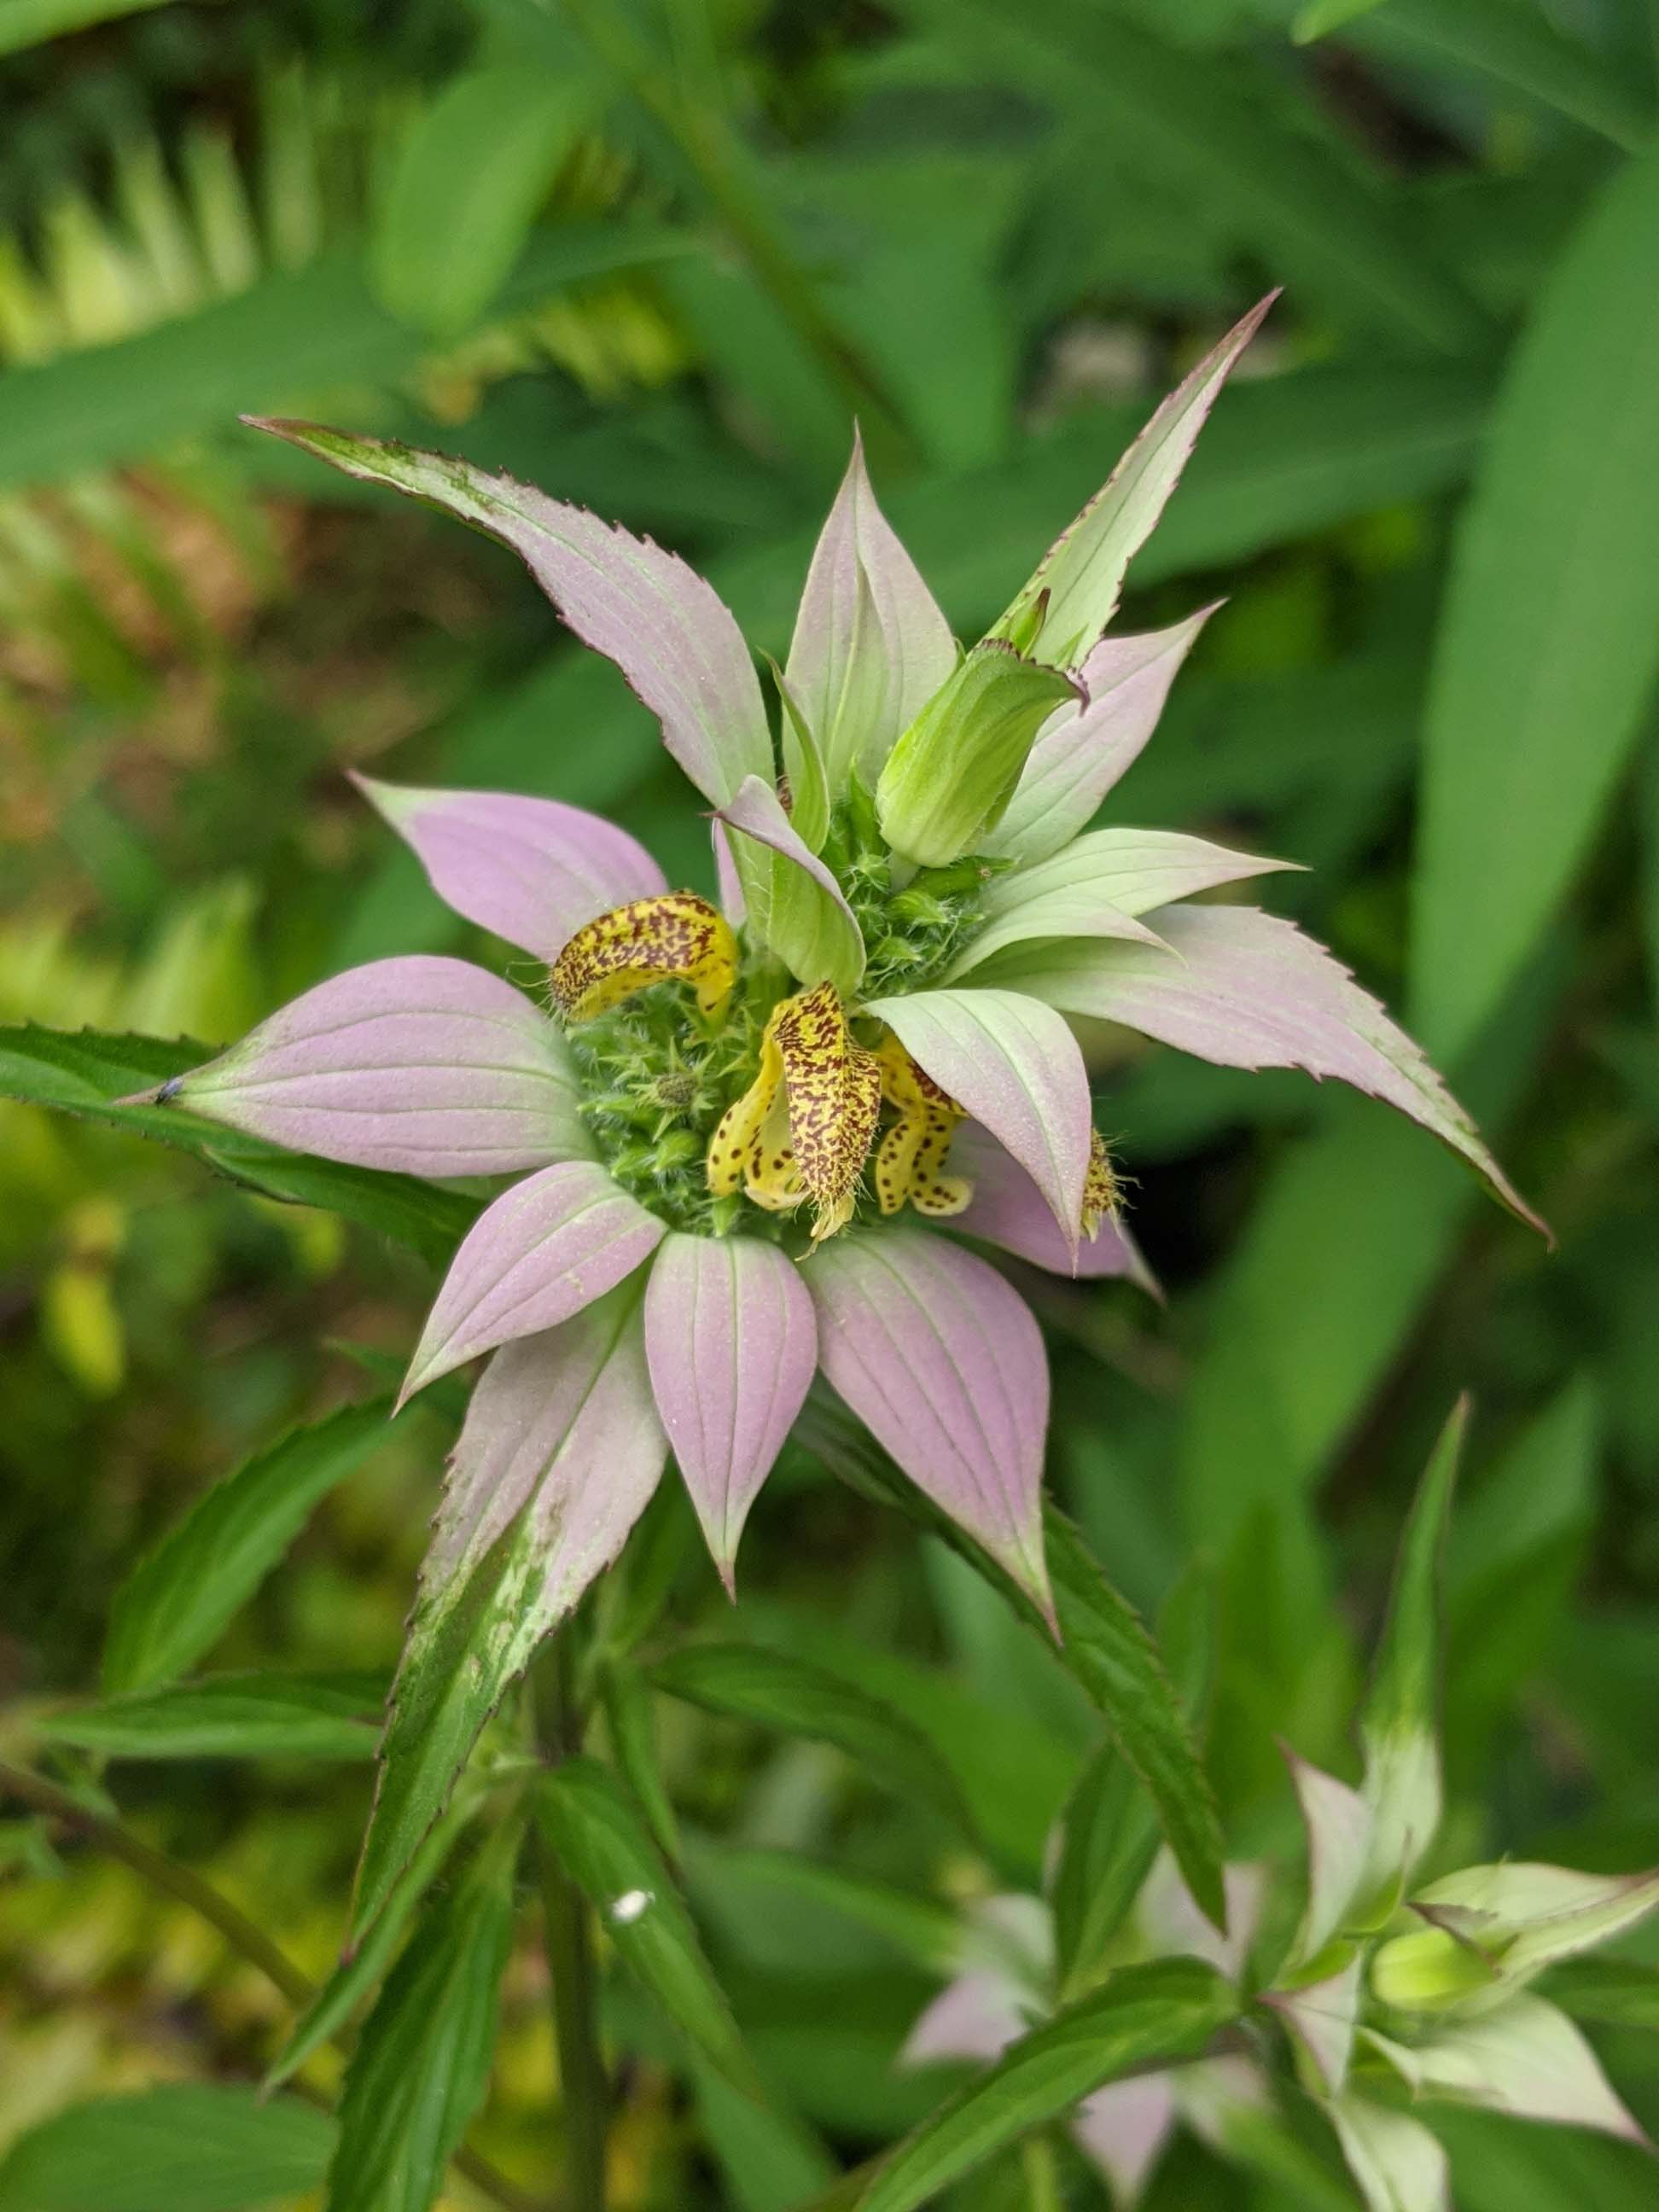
247 1939
1042 2192
721 165
584 2091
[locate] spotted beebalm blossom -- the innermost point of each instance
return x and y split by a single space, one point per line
1430 1987
1005 1986
861 1057
1432 1997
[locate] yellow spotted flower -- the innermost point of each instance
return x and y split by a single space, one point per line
777 1131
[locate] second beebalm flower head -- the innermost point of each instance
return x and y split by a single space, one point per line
861 1058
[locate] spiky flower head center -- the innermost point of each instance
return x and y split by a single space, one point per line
745 1104
724 1108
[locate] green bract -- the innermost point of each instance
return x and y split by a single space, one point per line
949 777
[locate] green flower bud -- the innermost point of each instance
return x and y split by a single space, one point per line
1428 1970
951 774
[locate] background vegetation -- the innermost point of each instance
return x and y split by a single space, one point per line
655 256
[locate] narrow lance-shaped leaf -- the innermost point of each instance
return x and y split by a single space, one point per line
1549 645
1109 1839
631 1720
1399 1724
192 2146
231 1717
464 186
422 2065
922 1931
602 1842
1520 46
558 1459
1109 1835
352 1979
1103 1644
772 1689
1151 2015
176 1602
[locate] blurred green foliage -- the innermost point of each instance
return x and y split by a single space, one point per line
654 254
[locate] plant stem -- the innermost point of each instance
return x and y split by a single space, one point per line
584 2091
1042 2176
717 158
248 1940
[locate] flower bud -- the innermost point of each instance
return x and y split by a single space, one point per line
1428 1970
951 774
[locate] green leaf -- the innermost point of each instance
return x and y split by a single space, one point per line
1515 42
26 23
232 1716
751 1682
1109 1839
1208 126
1321 17
1610 1992
423 2062
464 187
1102 1642
1517 1549
1148 2016
289 337
1108 1832
177 1601
630 1716
925 1933
1400 1719
599 1837
479 1620
1549 645
186 2146
1404 1698
1347 1241
358 1973
771 2161
89 1075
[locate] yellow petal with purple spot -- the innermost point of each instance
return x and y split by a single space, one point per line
834 1088
649 940
910 1162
